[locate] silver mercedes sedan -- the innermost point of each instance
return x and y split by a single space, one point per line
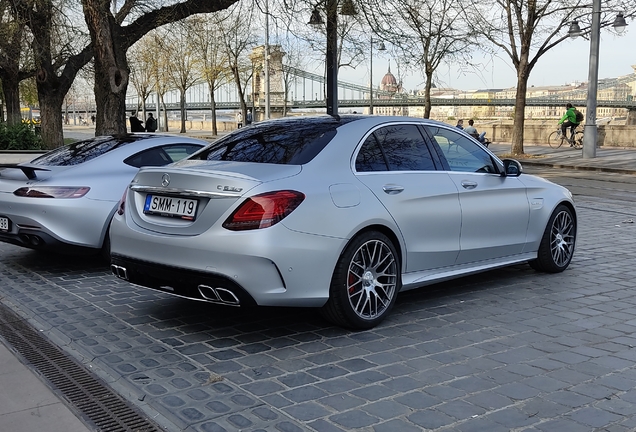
63 200
338 213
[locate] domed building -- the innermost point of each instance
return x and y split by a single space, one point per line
389 83
389 86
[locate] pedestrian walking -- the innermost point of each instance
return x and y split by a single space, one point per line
239 120
248 118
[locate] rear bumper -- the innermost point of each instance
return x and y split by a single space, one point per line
181 282
40 240
55 224
273 266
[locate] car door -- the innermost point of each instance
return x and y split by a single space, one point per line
395 163
495 209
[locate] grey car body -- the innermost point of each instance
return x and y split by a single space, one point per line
64 199
353 210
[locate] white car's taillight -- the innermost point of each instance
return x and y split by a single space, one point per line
52 191
121 207
264 210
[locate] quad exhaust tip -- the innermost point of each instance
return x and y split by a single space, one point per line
218 295
119 271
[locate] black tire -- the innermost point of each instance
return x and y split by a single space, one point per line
365 282
557 244
555 140
104 252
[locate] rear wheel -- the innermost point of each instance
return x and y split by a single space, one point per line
104 253
365 282
557 244
556 139
578 140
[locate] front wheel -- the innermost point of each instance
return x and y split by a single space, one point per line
555 140
557 244
365 282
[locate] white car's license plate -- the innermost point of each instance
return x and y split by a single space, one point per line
177 207
4 224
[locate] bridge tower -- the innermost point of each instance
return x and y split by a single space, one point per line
276 93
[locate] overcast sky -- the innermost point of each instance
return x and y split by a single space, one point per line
564 64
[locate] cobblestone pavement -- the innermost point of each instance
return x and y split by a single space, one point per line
507 350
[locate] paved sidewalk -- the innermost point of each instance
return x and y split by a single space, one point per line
616 159
27 404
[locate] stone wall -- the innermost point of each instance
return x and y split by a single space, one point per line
538 132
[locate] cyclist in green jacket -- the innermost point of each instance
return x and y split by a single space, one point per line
568 121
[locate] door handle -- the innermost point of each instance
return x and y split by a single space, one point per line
392 189
469 184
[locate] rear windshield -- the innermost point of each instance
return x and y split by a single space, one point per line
83 151
293 141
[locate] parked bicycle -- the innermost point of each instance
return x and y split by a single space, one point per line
556 139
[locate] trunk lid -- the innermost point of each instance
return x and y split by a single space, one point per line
190 197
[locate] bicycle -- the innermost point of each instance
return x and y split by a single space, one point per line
556 139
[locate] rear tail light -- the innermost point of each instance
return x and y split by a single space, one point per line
52 192
264 210
121 207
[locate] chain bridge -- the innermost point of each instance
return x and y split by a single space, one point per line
293 88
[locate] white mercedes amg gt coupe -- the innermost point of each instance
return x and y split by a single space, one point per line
340 213
63 200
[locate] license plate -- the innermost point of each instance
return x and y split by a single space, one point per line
4 224
175 207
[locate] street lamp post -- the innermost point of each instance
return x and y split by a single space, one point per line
590 131
266 62
380 48
332 58
331 61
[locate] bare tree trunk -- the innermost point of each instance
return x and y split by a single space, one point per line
11 93
165 115
51 116
427 94
111 69
182 108
241 92
519 115
215 130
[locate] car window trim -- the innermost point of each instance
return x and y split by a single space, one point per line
435 158
495 160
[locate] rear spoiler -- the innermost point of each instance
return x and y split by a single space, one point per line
28 171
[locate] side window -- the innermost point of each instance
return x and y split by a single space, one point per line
404 148
462 153
178 152
370 157
160 156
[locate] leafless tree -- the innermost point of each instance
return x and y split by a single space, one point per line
111 39
425 33
141 73
293 15
206 43
526 30
160 65
184 64
14 65
294 57
235 30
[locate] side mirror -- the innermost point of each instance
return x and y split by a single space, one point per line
512 168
